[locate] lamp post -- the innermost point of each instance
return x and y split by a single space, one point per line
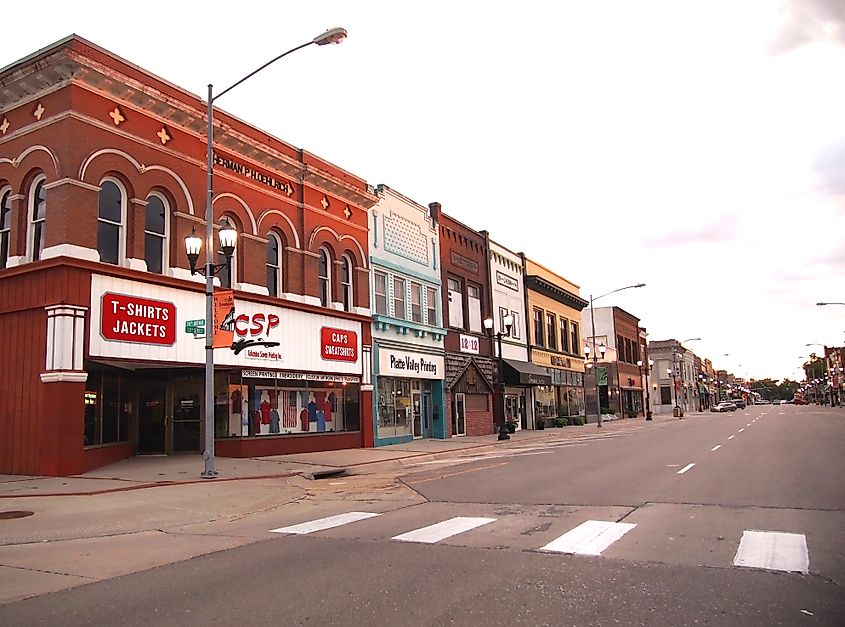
647 395
193 245
671 372
507 321
602 350
595 357
823 304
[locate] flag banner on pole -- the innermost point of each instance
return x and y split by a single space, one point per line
224 318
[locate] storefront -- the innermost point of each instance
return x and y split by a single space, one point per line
524 399
408 395
289 382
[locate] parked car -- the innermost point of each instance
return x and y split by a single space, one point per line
763 401
740 404
800 401
776 401
723 407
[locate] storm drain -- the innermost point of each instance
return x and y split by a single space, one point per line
8 515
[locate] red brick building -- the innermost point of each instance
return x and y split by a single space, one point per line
464 268
102 176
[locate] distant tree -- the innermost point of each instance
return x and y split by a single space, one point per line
786 388
766 388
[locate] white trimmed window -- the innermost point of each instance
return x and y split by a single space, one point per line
431 305
474 307
416 302
399 298
274 265
5 224
325 278
456 303
346 282
37 211
111 218
380 290
155 234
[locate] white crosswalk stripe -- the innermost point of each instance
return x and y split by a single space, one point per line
773 550
324 523
589 538
442 530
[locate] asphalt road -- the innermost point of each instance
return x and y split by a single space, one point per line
674 536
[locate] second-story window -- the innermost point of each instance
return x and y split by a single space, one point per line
455 295
274 265
155 234
574 336
325 278
416 302
538 326
431 305
346 282
474 308
110 220
564 335
228 275
515 327
5 226
551 330
380 289
37 216
399 298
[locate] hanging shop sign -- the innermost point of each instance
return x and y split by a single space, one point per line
338 344
408 364
224 318
125 318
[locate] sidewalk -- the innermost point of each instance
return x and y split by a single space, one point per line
153 471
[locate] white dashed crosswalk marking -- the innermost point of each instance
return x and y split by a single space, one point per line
589 538
442 530
324 523
773 550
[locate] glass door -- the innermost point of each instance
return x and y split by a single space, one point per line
459 423
187 415
152 418
416 408
426 414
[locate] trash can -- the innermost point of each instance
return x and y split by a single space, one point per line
677 412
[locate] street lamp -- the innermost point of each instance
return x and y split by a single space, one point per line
823 304
647 395
507 322
602 350
192 245
595 357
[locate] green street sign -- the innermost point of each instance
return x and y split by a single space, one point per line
195 326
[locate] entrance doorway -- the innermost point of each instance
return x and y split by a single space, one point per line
421 404
169 416
459 414
152 419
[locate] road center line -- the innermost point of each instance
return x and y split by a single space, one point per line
716 448
685 468
731 437
741 430
748 425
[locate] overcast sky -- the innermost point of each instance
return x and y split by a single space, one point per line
696 146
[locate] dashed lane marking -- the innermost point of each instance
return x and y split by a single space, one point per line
685 468
731 437
716 448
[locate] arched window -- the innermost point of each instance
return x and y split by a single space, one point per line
110 221
346 282
155 234
228 275
5 224
37 213
325 278
274 265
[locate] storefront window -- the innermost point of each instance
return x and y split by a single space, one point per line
108 405
544 402
394 407
259 407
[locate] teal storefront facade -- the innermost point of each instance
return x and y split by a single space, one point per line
407 333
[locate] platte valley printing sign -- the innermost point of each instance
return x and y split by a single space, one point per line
412 365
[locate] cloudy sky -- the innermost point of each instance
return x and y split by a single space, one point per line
696 146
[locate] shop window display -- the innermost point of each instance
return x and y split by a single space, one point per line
275 407
108 405
394 406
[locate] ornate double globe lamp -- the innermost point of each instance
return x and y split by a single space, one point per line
646 367
507 323
595 357
228 238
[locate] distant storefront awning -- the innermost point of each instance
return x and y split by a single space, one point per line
524 373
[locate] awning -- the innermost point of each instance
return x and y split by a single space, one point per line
524 373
